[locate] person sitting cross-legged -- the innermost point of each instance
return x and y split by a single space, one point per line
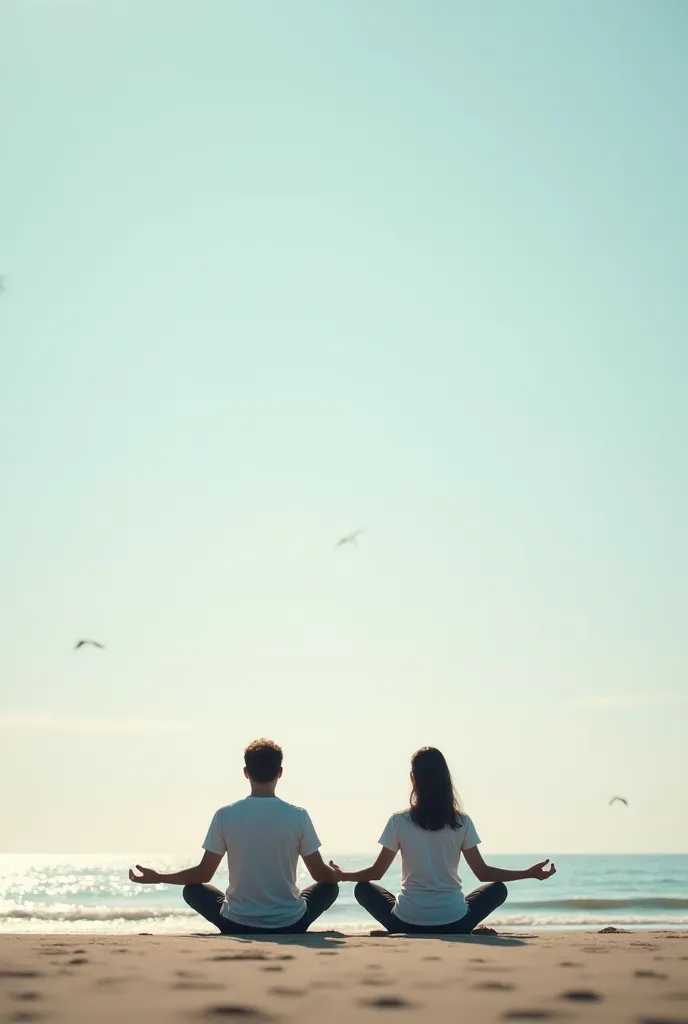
263 838
431 834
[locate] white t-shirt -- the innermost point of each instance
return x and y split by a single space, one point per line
263 837
430 884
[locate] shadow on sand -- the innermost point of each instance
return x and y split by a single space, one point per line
331 940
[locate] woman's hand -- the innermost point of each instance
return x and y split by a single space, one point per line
337 870
147 877
541 871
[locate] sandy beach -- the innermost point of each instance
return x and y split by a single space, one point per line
641 977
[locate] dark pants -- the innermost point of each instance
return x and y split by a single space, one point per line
380 904
207 901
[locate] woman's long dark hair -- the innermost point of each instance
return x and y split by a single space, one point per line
434 803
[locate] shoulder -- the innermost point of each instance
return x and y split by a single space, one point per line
286 806
293 810
229 809
401 818
468 830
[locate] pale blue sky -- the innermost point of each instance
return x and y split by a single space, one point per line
278 270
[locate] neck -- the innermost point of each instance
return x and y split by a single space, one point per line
263 788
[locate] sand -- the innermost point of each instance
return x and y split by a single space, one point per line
640 977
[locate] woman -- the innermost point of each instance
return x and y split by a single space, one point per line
431 835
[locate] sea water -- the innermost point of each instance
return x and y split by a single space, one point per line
79 893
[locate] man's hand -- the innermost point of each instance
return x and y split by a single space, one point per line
541 871
147 877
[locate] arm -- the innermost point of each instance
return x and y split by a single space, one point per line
485 873
318 869
371 874
203 872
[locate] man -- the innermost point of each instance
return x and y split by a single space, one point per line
263 837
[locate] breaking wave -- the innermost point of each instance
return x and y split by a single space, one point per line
514 916
73 913
590 903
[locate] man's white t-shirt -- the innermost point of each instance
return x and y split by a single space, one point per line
430 885
263 838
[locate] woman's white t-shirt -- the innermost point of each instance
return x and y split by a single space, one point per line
430 885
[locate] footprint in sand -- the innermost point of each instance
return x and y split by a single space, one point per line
11 975
286 990
387 1003
251 956
529 1015
582 995
236 1010
78 960
272 967
422 958
650 974
569 963
662 1020
494 986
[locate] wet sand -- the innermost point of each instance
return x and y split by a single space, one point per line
328 978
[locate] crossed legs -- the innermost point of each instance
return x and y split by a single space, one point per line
380 904
207 901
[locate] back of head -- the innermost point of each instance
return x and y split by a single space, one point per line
434 803
263 760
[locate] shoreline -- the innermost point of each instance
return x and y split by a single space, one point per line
346 930
639 976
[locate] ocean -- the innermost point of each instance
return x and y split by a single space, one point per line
70 893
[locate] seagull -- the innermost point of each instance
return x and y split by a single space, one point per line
351 538
621 799
93 643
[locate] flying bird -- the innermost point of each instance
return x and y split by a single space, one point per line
621 799
93 643
351 538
